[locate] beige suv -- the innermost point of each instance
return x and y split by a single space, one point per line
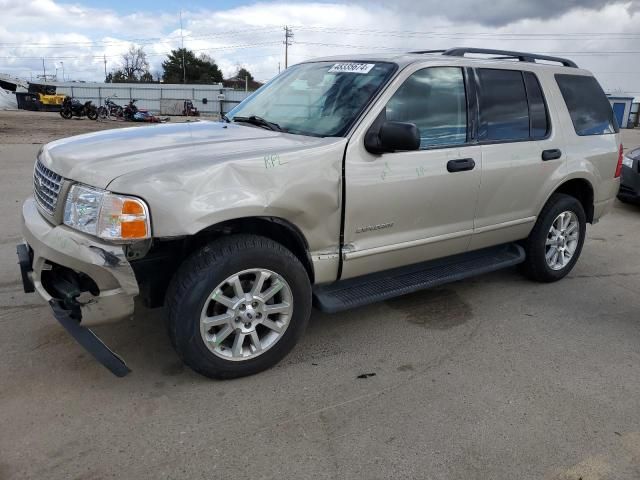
341 182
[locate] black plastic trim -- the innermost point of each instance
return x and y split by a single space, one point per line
25 260
521 56
91 343
379 286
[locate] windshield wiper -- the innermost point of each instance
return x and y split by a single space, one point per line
260 122
225 118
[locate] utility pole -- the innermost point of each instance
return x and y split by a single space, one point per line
44 72
288 35
246 83
184 67
105 68
62 65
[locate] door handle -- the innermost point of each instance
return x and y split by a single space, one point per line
461 165
552 154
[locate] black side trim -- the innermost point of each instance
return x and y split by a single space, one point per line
342 210
375 287
85 337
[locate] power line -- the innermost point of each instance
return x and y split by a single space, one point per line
140 41
153 54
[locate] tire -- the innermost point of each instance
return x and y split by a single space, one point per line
201 284
536 266
66 114
102 113
92 114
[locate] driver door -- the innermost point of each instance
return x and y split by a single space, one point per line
403 208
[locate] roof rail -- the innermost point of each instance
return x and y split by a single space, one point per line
428 51
521 56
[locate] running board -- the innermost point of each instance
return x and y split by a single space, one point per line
379 286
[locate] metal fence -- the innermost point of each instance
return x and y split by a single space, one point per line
163 99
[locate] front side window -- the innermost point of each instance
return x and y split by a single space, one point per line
321 99
434 100
504 113
588 106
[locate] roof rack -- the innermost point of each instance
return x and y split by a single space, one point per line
507 54
428 51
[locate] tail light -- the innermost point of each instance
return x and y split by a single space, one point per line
619 166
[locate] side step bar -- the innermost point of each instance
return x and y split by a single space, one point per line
379 286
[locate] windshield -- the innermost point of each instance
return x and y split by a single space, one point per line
321 99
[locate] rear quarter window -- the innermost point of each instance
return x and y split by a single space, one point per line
588 106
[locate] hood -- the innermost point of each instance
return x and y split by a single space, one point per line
98 158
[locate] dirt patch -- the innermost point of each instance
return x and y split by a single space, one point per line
438 309
23 126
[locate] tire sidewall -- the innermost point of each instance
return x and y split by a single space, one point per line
564 203
188 339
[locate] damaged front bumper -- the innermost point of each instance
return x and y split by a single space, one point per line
87 282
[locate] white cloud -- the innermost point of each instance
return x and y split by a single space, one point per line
251 36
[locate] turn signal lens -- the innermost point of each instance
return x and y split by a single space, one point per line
107 215
123 218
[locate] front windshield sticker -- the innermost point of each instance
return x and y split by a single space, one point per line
351 68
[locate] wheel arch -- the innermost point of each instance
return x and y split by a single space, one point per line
582 190
277 229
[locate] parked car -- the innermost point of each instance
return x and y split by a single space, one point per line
344 181
630 177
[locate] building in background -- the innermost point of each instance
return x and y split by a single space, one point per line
621 105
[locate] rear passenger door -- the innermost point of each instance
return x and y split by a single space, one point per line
521 154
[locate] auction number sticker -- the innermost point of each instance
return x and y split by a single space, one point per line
352 68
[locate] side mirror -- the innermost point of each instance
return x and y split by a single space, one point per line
392 137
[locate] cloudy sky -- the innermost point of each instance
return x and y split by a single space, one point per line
601 35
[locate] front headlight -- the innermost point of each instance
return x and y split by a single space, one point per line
106 215
628 161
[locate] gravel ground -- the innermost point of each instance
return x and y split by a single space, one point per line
490 378
21 126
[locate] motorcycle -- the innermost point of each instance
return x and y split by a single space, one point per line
110 109
72 107
189 110
130 111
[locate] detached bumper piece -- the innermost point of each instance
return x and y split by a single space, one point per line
71 322
25 260
66 286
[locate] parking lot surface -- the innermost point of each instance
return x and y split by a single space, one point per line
490 378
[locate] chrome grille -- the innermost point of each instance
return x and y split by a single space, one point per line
46 187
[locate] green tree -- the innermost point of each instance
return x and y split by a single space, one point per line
243 73
118 76
197 69
146 77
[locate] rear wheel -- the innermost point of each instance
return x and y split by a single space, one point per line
92 114
556 241
238 306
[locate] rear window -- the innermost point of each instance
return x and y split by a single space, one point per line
588 106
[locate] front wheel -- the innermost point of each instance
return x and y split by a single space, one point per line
238 306
67 114
556 241
92 114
